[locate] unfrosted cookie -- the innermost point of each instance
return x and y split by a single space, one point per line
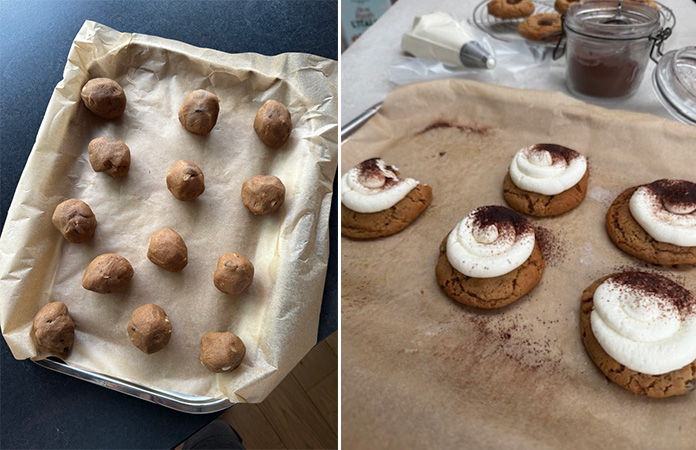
513 267
674 382
510 9
628 234
546 180
375 202
541 27
562 5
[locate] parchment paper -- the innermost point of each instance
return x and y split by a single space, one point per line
422 371
277 316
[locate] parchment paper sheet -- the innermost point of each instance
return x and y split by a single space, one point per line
277 316
421 371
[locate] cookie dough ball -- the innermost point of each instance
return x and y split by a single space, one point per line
168 250
234 273
185 180
107 273
149 328
75 220
109 155
104 97
273 124
263 194
221 351
199 112
53 330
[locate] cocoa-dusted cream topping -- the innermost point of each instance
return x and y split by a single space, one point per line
656 285
375 174
558 153
501 218
677 196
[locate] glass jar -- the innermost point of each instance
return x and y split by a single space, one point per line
674 80
607 57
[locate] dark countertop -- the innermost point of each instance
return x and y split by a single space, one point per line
44 409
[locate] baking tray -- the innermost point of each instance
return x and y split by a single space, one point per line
311 95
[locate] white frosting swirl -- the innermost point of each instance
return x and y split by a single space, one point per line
372 186
547 169
666 209
643 330
489 242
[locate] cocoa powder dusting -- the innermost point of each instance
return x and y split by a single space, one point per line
657 285
558 152
496 215
551 246
675 192
370 169
463 128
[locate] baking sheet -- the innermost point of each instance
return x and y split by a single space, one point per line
422 371
277 316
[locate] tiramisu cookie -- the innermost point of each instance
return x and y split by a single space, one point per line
375 202
546 180
541 27
656 222
562 5
490 259
510 9
640 330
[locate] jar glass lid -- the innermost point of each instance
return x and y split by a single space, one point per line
674 80
601 19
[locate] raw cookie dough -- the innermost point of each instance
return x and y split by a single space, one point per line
541 205
75 220
109 155
390 221
539 26
263 194
168 250
489 293
510 9
149 328
273 124
221 351
104 97
630 237
677 382
53 330
107 273
234 273
200 111
185 180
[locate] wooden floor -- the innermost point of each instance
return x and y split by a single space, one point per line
302 412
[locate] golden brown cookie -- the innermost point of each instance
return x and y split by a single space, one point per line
630 237
677 382
510 9
489 293
541 205
541 27
562 5
390 221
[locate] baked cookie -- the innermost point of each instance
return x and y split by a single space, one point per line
510 9
651 366
562 5
513 264
656 222
541 27
375 202
546 180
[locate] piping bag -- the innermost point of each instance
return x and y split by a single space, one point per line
438 36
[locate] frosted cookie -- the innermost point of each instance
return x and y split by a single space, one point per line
656 222
490 259
546 180
510 9
541 27
640 330
375 202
